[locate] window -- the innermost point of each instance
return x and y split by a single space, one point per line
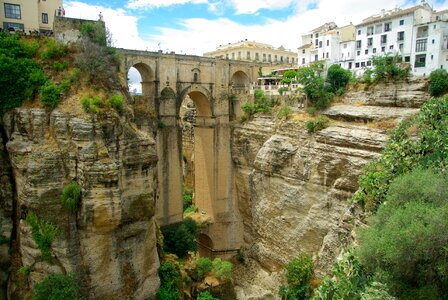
303 61
12 11
316 57
433 41
349 65
387 27
369 63
369 42
281 58
275 58
363 64
356 65
264 56
257 56
358 44
303 51
320 44
370 30
316 42
391 47
378 28
15 26
292 60
317 35
287 60
358 53
420 45
227 55
345 46
432 57
374 50
384 39
44 18
239 54
359 32
401 22
328 42
233 55
269 58
383 49
326 55
401 47
420 61
407 59
400 36
366 51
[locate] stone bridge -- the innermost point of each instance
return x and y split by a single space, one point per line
217 87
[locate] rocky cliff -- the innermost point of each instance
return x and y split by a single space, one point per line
110 241
293 186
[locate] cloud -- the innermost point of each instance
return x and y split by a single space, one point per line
252 6
122 25
134 4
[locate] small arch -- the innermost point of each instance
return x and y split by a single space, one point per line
167 93
196 75
146 86
205 244
240 80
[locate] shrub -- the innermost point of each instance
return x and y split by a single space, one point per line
249 108
284 112
54 49
282 90
56 287
191 209
338 77
438 82
170 282
180 238
319 123
312 110
298 275
60 66
187 197
222 269
116 102
21 76
50 95
206 296
71 196
389 67
310 126
43 233
204 266
289 77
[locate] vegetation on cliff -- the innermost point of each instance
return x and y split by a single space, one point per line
402 252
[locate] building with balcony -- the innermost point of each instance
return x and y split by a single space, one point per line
29 15
329 43
390 32
254 51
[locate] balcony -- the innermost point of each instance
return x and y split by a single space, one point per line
420 64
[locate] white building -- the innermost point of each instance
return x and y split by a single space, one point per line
430 49
324 43
389 32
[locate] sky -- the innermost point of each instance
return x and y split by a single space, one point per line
197 26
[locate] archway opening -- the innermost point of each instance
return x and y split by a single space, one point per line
140 80
240 87
205 245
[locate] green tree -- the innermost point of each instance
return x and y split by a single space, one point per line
289 76
338 77
206 296
314 85
57 287
298 275
438 82
170 282
389 67
180 238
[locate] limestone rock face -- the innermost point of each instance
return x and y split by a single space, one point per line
110 242
292 189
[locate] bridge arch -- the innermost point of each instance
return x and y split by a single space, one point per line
240 82
201 97
147 75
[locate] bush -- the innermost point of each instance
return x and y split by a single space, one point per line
298 275
43 233
222 269
71 196
319 123
116 102
54 49
310 126
187 197
180 238
21 76
204 266
170 282
50 95
389 67
56 287
206 296
60 66
312 110
416 210
438 82
249 108
289 77
338 77
284 112
191 209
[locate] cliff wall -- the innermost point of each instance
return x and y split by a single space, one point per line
110 242
293 187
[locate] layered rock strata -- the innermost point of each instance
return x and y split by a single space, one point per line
110 241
